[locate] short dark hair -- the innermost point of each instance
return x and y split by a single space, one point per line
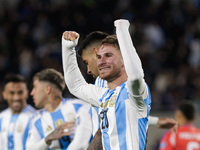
52 76
111 39
91 38
16 78
188 109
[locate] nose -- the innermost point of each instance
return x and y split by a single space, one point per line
88 70
101 61
32 92
16 96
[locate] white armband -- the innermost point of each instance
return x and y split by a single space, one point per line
153 120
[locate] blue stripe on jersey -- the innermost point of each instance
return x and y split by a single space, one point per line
106 139
26 134
120 113
64 141
38 125
77 106
142 123
148 101
90 112
10 135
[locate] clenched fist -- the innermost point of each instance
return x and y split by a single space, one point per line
70 35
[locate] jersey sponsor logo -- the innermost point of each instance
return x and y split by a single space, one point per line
189 136
49 128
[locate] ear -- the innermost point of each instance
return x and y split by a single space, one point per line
95 50
4 95
48 89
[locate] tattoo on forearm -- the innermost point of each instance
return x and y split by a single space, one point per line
96 143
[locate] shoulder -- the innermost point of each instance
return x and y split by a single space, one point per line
38 116
30 111
5 113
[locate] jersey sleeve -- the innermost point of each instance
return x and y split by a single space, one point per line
166 141
34 140
83 131
73 77
135 83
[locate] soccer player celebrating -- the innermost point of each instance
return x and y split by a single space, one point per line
125 105
187 136
87 51
53 128
15 120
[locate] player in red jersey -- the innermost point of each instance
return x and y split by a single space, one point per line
187 136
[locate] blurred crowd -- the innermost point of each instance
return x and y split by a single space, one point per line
166 34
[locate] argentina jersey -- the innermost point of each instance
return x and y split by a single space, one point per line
46 122
95 110
118 113
14 128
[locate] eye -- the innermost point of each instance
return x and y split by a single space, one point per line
98 56
85 62
109 54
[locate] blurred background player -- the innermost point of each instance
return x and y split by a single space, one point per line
53 128
15 120
187 136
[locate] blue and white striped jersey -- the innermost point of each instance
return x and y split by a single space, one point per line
122 117
14 128
68 111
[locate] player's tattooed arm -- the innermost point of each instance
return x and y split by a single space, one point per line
63 130
96 143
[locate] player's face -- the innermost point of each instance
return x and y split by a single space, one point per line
89 58
16 94
109 62
38 93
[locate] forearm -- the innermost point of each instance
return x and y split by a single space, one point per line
73 77
96 143
131 59
37 145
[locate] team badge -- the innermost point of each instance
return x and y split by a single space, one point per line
71 117
112 100
59 122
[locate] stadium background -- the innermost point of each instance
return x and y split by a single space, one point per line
166 34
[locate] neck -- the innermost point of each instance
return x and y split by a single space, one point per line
185 122
53 104
17 112
118 81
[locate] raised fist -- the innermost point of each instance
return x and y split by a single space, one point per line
70 35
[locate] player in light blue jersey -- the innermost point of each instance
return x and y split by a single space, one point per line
125 105
15 120
62 123
87 51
